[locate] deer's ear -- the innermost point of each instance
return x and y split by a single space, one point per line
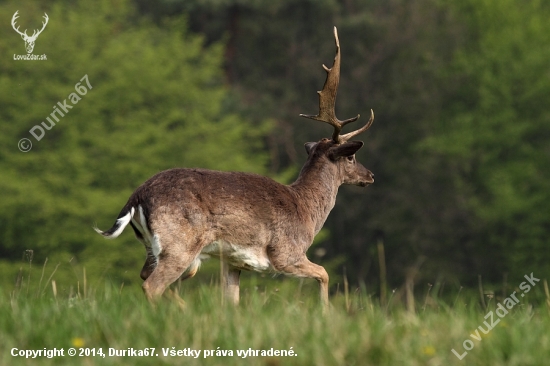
309 146
345 149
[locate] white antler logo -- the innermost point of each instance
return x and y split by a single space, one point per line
29 40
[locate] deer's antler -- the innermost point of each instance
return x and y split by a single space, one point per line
327 102
37 32
24 34
13 20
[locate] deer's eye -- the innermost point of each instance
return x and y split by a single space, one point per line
350 158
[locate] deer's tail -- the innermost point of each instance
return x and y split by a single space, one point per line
123 219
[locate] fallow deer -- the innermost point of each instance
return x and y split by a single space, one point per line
248 221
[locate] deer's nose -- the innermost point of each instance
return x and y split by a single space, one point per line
372 177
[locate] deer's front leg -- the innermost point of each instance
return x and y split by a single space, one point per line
231 283
305 268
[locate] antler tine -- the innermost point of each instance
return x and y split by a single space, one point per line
43 24
46 18
349 135
327 101
327 96
13 21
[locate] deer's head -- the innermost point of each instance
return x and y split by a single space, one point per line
339 150
343 157
29 40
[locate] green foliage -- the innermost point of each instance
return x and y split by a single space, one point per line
459 141
494 130
157 101
458 146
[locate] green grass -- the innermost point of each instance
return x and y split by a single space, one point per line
356 331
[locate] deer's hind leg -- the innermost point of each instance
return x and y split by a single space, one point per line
173 257
149 265
144 238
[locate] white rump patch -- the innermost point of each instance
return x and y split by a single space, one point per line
140 223
156 247
146 231
149 240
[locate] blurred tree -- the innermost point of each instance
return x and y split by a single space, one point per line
390 51
157 100
458 144
494 132
421 65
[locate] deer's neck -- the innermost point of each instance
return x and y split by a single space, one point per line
316 189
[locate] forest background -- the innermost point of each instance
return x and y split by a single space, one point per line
459 145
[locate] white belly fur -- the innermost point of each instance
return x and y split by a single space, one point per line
254 259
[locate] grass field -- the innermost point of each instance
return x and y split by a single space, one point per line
283 317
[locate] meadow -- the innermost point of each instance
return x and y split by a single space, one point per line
278 322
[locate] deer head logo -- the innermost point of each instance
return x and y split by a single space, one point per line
29 40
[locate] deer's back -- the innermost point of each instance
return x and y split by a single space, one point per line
227 204
237 215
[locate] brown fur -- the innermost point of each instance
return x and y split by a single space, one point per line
249 221
187 209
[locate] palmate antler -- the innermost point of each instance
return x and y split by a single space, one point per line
327 102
